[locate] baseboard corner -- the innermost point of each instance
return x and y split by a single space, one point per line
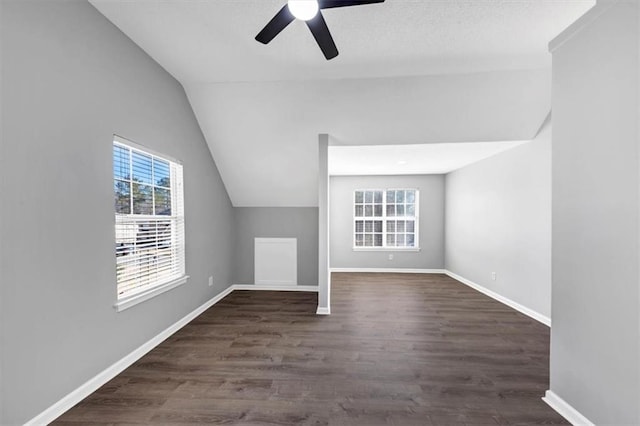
563 408
323 310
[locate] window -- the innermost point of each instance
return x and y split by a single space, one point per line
386 218
149 223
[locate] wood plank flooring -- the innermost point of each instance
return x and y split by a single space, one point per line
398 349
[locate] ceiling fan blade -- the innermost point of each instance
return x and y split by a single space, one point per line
328 4
275 25
320 31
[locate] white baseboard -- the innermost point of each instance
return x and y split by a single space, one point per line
263 287
515 305
390 270
323 311
93 384
572 415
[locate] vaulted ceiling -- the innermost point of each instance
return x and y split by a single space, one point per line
409 72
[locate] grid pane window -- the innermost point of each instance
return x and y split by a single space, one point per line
149 220
385 218
368 205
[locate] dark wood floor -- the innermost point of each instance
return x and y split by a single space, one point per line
398 349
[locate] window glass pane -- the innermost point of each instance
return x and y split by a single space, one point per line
122 192
368 197
142 199
368 226
368 240
149 227
164 240
141 167
146 236
162 199
391 240
161 173
120 162
398 204
391 196
359 240
410 226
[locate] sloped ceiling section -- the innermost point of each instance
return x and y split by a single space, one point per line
264 135
409 72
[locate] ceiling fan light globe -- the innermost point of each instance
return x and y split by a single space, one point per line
303 9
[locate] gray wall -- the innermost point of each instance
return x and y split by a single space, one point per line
431 221
70 80
595 336
276 222
498 219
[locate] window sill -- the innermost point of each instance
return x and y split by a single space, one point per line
392 249
130 301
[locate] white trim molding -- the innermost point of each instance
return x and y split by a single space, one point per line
323 311
505 300
563 408
93 384
390 270
265 287
387 249
128 302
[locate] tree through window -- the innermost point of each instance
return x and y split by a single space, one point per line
149 219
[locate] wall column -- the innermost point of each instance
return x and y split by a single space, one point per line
324 276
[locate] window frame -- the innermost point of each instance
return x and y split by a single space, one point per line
148 291
384 218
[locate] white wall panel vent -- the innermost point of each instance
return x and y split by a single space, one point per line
276 261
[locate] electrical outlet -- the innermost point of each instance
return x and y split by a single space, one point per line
391 256
493 276
210 281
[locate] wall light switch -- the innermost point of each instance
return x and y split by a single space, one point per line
391 256
210 281
493 276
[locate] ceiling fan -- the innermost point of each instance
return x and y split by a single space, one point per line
309 11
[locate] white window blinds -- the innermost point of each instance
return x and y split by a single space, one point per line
149 220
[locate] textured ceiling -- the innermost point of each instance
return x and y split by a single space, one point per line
213 40
409 72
